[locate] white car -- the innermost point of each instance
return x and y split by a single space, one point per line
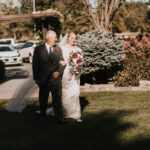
11 42
27 50
9 55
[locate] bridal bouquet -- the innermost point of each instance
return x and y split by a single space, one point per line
76 63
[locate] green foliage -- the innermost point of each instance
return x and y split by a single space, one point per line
76 16
26 6
19 30
132 17
50 23
136 65
101 50
132 24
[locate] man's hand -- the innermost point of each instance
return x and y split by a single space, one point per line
62 63
56 74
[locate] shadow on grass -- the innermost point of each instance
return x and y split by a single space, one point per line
83 102
99 131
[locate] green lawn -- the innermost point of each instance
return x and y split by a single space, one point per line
112 121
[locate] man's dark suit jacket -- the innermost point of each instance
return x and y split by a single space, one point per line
45 64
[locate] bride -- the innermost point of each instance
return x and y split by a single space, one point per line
70 83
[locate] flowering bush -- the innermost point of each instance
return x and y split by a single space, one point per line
136 65
76 63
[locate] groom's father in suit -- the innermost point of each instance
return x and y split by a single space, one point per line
47 73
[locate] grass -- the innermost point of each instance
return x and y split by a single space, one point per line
112 121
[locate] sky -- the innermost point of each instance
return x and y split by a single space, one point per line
93 3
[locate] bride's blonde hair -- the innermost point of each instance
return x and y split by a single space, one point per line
71 32
65 39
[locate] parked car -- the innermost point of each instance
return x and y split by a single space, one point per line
27 50
19 46
12 42
2 70
9 41
9 55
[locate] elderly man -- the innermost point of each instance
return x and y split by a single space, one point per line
47 73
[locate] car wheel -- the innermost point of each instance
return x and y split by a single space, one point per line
30 59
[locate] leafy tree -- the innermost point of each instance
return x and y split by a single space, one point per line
131 17
118 24
75 14
18 30
79 16
136 17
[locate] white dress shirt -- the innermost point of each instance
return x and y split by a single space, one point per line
48 47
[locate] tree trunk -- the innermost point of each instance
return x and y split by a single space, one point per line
104 17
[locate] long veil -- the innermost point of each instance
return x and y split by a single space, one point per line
63 41
18 101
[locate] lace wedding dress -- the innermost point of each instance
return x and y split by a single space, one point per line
70 88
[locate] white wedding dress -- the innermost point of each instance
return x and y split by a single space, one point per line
70 88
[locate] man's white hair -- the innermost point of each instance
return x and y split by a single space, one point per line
50 34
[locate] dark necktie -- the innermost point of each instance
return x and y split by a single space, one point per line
50 50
